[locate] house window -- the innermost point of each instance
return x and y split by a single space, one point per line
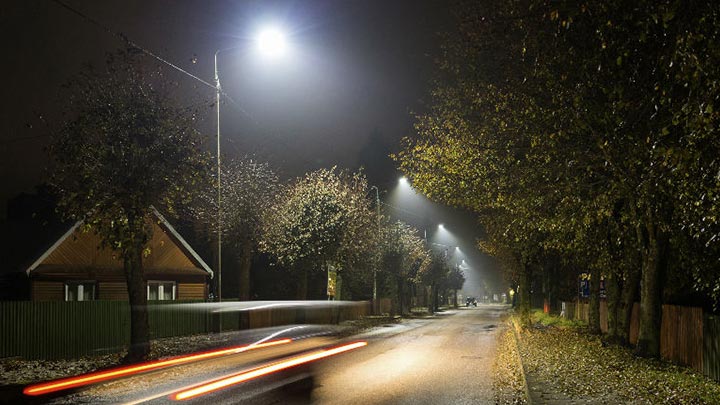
160 290
80 291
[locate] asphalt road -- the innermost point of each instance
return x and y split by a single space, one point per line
444 360
157 385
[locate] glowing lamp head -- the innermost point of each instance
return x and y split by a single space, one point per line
271 42
403 180
441 226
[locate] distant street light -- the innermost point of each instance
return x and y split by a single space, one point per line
270 42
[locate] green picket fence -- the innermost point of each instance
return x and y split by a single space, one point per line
56 329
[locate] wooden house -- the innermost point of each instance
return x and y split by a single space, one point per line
76 268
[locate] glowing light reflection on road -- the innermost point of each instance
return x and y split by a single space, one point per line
91 378
225 382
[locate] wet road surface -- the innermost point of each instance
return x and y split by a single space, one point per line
444 360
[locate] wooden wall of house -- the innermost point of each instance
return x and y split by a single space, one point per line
47 290
112 291
191 291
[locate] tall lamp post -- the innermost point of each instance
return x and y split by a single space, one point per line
270 42
219 188
377 208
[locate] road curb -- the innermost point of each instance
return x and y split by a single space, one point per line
515 328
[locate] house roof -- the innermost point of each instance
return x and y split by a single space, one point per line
83 250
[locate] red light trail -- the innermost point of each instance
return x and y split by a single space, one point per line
91 378
225 382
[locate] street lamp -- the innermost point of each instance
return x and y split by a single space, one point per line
270 41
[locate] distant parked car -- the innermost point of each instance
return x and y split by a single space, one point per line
470 301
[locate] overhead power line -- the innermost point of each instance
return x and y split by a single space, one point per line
148 52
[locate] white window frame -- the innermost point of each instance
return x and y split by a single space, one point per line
161 289
80 289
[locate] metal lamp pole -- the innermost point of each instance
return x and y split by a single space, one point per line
219 189
271 41
377 207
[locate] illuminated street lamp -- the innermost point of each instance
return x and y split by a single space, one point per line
270 42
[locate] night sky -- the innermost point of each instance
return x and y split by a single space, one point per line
343 95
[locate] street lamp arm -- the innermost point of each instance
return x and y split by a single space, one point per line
219 90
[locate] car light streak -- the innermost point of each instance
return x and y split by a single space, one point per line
91 378
225 382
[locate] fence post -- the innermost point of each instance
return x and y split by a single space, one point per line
711 347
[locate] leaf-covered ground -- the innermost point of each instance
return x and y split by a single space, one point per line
19 371
508 384
571 364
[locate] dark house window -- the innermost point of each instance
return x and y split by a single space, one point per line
80 291
161 290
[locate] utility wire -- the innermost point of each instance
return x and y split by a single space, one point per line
134 44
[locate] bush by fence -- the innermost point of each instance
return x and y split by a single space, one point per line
687 336
51 330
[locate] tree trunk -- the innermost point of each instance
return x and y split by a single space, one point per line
612 286
653 266
400 292
338 287
549 282
627 301
524 293
137 293
594 310
302 283
407 291
431 301
246 252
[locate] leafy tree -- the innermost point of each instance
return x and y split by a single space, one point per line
126 149
580 122
322 221
454 282
433 276
248 189
404 257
